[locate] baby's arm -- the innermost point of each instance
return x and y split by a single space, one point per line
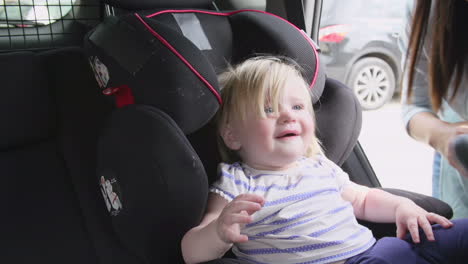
364 200
379 206
219 228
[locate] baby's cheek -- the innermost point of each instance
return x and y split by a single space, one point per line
264 129
264 134
309 123
264 139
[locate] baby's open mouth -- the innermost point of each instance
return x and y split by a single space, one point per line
287 135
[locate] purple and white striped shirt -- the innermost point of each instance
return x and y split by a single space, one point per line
304 219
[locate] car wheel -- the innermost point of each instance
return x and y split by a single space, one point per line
372 81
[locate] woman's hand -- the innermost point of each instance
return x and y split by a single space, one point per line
410 217
440 135
457 159
236 213
444 144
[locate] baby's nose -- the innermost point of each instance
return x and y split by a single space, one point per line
287 116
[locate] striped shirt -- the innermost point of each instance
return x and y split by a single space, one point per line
304 218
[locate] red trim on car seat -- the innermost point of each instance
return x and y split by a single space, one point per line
314 79
169 46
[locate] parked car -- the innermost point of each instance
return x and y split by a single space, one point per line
359 46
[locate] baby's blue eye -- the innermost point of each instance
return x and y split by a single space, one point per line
298 107
268 110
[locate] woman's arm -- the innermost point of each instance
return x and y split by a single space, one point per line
429 129
418 116
440 135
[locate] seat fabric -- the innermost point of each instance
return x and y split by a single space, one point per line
81 113
41 220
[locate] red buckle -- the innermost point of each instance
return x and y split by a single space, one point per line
123 95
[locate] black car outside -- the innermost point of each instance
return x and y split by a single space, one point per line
359 46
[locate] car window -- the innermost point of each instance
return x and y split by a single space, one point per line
359 43
33 24
241 4
334 11
383 8
28 13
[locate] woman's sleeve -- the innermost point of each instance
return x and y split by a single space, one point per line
231 183
420 100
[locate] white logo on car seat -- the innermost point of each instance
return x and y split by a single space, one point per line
100 71
110 192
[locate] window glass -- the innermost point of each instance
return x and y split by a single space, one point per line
384 8
240 4
30 13
43 24
330 13
359 42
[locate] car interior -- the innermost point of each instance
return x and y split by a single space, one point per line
108 146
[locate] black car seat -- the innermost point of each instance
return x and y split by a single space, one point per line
157 153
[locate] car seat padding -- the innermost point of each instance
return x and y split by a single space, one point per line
152 180
26 107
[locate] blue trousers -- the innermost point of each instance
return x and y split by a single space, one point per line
450 247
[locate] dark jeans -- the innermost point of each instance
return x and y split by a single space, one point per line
225 261
450 247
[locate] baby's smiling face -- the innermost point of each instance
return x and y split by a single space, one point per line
276 141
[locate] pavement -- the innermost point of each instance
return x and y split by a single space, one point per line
398 160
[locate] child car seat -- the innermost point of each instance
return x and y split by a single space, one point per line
157 154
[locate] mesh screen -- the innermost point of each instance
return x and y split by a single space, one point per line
29 24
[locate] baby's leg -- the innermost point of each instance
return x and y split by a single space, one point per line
451 245
225 261
388 250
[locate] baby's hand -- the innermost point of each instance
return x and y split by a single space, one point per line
237 212
409 217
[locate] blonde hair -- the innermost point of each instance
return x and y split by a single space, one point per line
251 85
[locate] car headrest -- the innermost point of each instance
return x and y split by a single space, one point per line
157 59
143 68
27 112
151 4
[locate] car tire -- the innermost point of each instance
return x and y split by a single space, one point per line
373 82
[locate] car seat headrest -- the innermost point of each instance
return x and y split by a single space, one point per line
27 112
158 60
151 4
261 32
161 69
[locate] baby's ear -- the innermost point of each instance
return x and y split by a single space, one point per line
229 137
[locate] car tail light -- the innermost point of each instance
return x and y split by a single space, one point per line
334 33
